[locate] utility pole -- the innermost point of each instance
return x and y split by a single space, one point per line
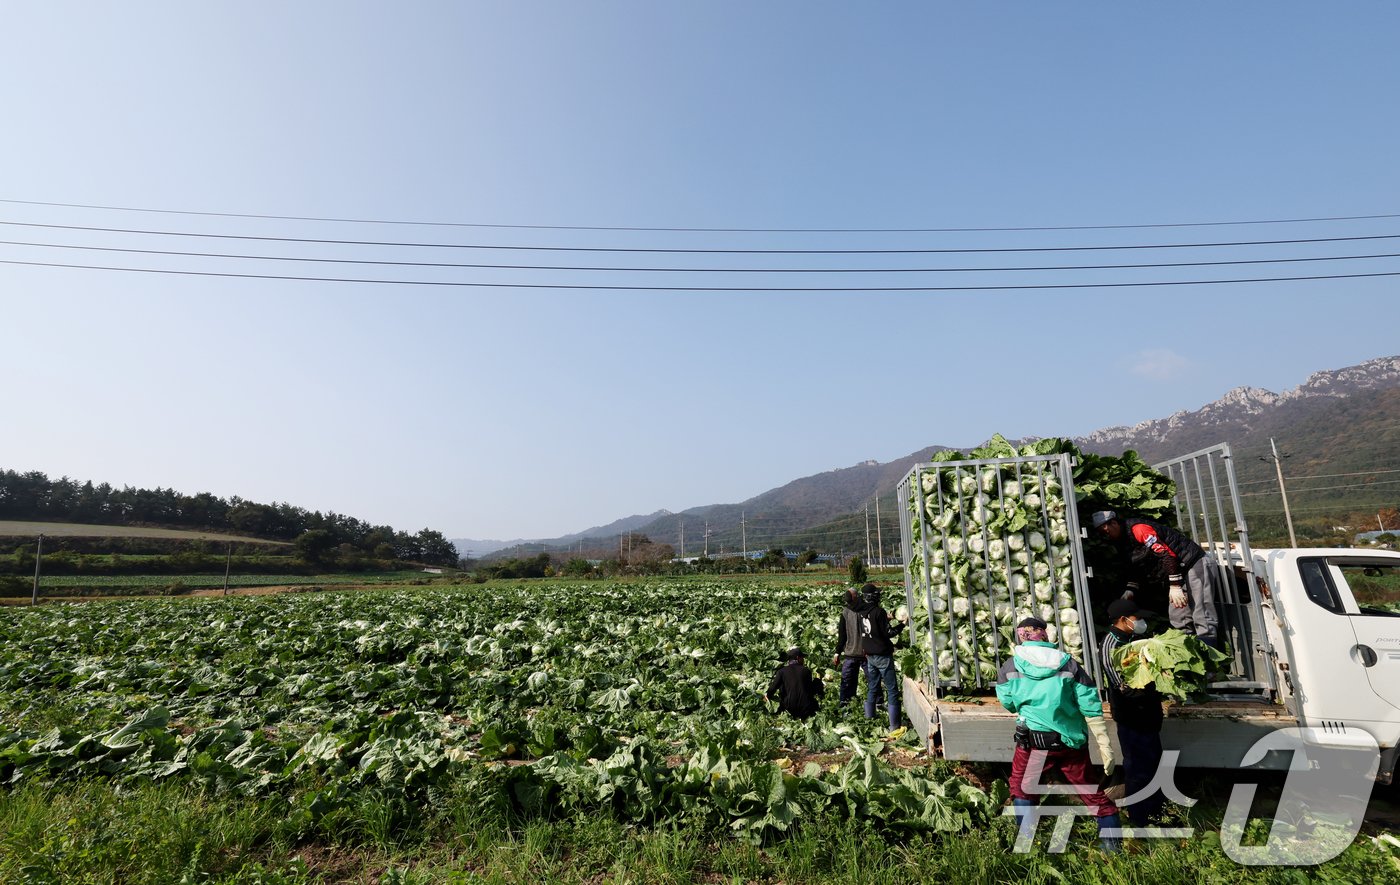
744 533
707 539
682 539
228 561
38 560
879 540
1379 523
867 532
1278 467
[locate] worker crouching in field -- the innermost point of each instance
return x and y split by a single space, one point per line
794 687
1057 708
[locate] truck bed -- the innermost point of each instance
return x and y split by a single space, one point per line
1211 735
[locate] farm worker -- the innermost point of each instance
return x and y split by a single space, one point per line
876 643
1189 588
1136 711
848 655
794 687
1057 710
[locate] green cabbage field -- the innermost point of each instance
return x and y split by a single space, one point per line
641 700
392 722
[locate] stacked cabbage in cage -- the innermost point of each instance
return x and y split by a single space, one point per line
997 551
996 527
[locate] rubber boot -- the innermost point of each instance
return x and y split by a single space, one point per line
869 709
1022 808
893 710
1111 844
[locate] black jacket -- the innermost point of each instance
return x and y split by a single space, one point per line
1136 708
795 689
876 633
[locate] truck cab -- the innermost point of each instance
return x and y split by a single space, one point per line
1337 656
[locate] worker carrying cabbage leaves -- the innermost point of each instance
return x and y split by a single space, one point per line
1136 711
1057 710
1189 590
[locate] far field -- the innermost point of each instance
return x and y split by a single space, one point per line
18 529
60 582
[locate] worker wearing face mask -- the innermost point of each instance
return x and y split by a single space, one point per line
1137 713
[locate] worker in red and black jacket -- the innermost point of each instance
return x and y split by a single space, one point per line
1189 589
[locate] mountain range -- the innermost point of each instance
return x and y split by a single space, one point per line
1341 423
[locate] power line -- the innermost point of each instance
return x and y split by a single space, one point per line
1324 476
834 230
755 289
694 251
1374 425
726 270
1331 508
1360 485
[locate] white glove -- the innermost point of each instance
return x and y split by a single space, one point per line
1099 729
1175 593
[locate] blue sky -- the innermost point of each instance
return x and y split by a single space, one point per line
515 412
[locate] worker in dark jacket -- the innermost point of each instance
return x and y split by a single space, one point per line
877 644
794 687
1189 587
1137 712
848 655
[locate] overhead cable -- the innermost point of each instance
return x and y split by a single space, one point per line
727 270
697 251
744 230
755 289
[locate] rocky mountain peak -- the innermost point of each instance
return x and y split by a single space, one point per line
1241 406
1370 375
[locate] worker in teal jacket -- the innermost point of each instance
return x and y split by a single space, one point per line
1057 710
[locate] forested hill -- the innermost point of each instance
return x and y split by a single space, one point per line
33 496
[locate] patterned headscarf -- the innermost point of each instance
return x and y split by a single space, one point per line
1031 630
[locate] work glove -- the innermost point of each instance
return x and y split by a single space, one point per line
1175 592
835 660
1114 786
1099 729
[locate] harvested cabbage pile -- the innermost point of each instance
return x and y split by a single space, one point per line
993 540
1179 665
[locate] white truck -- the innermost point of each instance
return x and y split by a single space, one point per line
1307 653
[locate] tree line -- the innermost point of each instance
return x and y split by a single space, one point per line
33 496
641 557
